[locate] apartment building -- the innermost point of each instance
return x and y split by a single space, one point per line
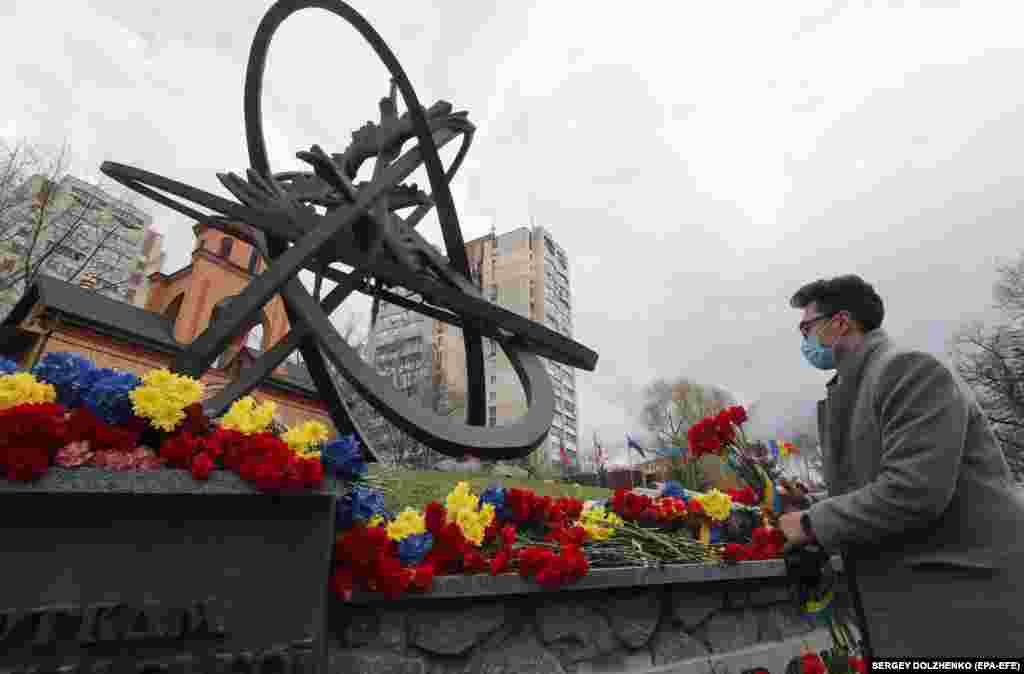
89 232
525 271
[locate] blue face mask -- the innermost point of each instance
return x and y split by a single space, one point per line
817 354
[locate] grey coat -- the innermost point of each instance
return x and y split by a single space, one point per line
922 505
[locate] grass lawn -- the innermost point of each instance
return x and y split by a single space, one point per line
416 488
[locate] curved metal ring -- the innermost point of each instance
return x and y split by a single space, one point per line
512 441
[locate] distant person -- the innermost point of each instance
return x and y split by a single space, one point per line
921 501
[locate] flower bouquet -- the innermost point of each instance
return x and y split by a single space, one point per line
67 412
553 541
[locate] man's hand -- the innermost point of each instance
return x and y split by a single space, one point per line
792 530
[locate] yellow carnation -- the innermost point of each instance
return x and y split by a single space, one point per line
600 524
461 498
474 523
596 533
462 505
249 417
21 388
407 523
716 504
163 397
305 436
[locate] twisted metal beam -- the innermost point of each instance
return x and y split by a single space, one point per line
361 229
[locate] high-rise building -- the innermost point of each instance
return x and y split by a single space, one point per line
86 231
524 271
400 346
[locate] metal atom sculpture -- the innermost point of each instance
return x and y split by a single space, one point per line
360 228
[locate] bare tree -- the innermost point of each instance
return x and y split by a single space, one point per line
671 407
48 226
991 360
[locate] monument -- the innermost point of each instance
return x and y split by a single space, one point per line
154 571
358 226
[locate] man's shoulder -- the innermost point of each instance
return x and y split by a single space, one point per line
892 363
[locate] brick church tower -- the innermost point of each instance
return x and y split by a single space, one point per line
222 266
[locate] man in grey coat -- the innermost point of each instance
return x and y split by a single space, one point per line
922 504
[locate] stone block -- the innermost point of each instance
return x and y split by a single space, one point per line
730 630
374 662
156 555
769 593
768 627
574 630
446 664
668 646
455 630
790 622
737 598
617 663
691 606
520 655
381 629
633 617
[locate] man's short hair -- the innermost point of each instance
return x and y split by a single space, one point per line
848 293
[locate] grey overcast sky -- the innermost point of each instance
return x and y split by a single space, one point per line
699 161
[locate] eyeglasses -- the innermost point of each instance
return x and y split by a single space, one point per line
805 326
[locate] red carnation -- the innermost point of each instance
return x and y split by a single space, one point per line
434 516
811 663
746 496
473 561
34 425
857 664
179 449
724 429
269 476
423 577
390 578
568 535
735 552
521 502
84 426
312 472
508 536
342 583
500 561
196 422
292 474
738 414
25 464
202 464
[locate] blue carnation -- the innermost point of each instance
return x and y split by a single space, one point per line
414 547
361 505
673 489
7 366
343 457
68 373
108 397
495 495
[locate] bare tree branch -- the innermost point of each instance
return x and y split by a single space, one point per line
991 360
42 221
671 407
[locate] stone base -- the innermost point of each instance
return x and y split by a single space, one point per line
131 568
661 628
